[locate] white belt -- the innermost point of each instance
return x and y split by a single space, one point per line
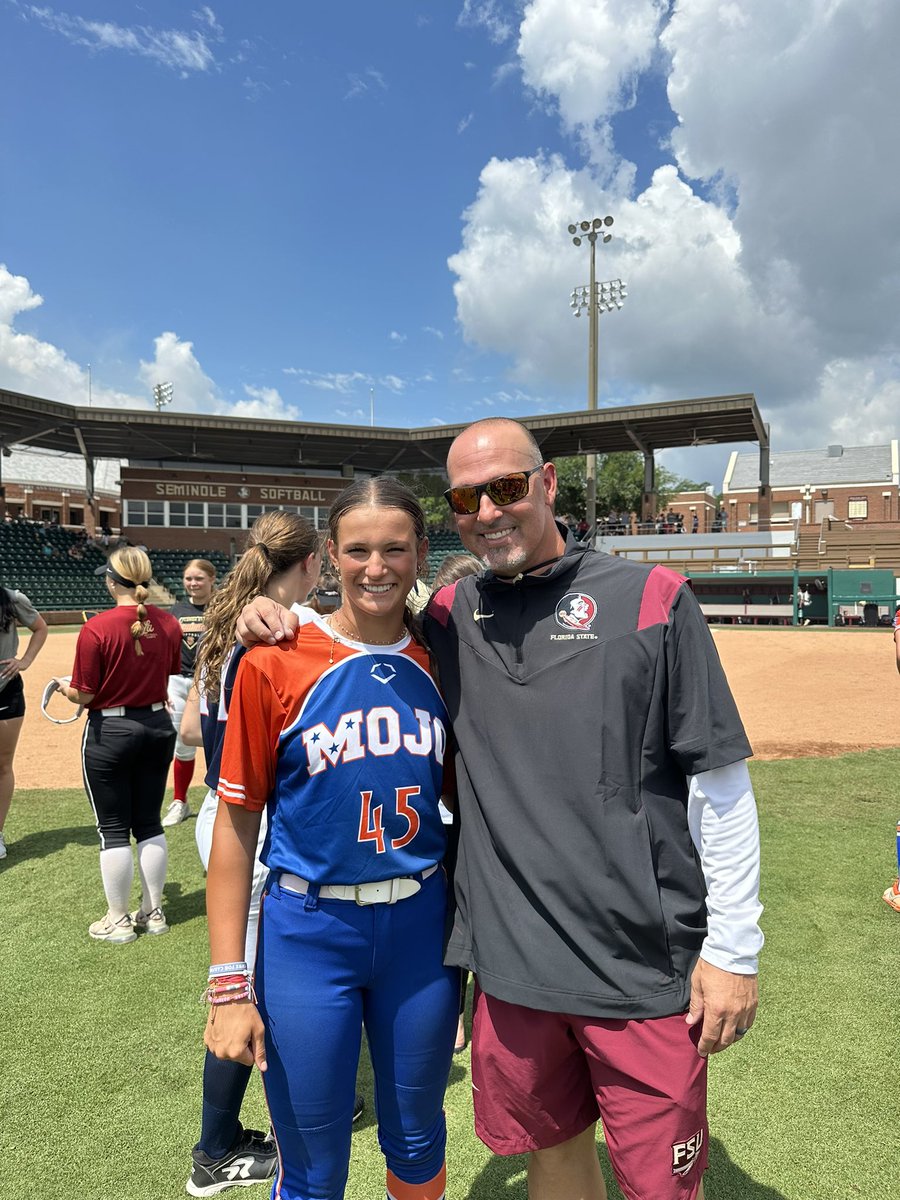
385 891
121 709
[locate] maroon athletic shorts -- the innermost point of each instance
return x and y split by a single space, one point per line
541 1078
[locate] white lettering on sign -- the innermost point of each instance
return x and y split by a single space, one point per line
309 495
210 490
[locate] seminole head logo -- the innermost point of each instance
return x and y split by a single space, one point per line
576 611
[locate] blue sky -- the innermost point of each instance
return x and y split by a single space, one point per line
280 207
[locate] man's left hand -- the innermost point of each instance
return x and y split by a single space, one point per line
726 1004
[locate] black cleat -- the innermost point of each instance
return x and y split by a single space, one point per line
252 1159
359 1107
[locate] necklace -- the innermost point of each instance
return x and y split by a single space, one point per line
338 627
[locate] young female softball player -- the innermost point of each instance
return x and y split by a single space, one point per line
199 579
281 561
15 609
341 735
123 659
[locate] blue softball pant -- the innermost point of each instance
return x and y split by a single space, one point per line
324 970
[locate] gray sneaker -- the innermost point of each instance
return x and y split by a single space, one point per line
108 930
2 846
178 811
151 922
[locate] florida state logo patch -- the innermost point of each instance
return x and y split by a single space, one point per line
576 611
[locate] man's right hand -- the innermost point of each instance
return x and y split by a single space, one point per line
265 621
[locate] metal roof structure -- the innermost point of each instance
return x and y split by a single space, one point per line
148 436
31 467
829 465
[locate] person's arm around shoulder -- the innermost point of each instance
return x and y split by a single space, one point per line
265 621
724 827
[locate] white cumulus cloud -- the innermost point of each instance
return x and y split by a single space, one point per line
36 367
265 403
763 257
586 55
174 362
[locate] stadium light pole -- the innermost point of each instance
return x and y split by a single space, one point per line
162 395
591 231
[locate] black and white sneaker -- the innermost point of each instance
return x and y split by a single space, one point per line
359 1107
252 1159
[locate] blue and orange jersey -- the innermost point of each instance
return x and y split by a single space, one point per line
344 745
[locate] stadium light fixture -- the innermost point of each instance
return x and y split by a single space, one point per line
162 395
594 298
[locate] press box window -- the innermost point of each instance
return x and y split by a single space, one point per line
177 512
215 516
195 517
156 512
136 512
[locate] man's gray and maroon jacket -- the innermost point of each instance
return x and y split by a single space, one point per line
582 699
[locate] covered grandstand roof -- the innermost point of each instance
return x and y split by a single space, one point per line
828 465
44 468
191 437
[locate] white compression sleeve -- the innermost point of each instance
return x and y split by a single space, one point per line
724 828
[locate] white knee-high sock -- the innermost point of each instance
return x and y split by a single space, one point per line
117 872
153 858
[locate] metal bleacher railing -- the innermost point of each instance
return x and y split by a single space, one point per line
718 552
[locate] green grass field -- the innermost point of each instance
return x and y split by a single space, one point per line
100 1094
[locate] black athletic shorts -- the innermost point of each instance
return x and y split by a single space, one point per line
12 700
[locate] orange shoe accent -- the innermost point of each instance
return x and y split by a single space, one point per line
434 1189
892 895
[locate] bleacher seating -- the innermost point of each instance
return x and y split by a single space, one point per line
441 542
34 559
55 582
168 567
841 547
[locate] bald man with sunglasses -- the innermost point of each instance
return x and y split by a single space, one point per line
607 880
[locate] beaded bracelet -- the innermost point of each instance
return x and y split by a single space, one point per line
236 989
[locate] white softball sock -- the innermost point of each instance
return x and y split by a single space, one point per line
153 858
117 873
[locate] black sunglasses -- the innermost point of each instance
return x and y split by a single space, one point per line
506 489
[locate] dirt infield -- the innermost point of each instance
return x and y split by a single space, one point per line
49 756
801 692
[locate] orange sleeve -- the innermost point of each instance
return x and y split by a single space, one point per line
256 718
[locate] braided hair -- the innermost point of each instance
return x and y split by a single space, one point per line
133 571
